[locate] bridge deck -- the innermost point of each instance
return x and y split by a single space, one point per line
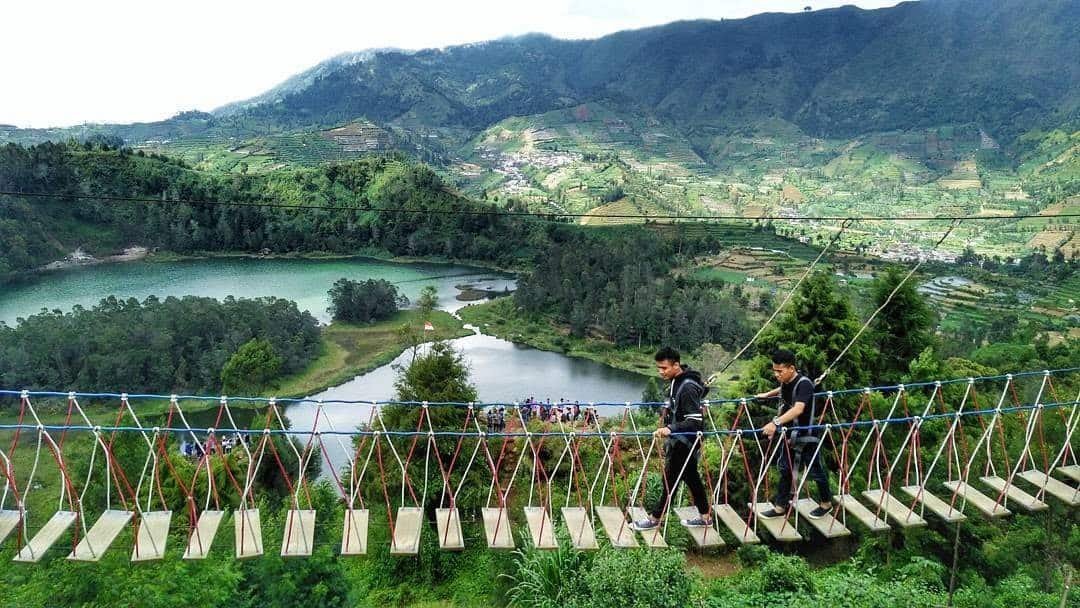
152 537
299 535
47 536
354 532
407 527
248 529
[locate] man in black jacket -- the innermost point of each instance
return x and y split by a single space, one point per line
797 411
682 422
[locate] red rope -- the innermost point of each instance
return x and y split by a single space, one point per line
189 498
408 459
1067 453
67 421
386 492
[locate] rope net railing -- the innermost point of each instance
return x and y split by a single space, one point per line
87 466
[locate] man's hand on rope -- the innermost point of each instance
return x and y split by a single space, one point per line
769 430
662 432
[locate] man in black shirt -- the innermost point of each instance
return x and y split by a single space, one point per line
796 393
682 422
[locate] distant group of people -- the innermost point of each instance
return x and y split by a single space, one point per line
561 411
197 449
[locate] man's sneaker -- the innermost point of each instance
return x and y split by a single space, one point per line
820 512
771 512
697 522
645 524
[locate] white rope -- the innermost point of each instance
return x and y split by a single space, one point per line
301 461
253 465
382 425
356 480
104 450
877 429
26 492
644 459
604 470
205 456
913 426
1029 434
1070 427
9 471
44 434
517 467
57 451
987 435
341 445
951 434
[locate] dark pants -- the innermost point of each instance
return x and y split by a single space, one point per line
802 453
678 454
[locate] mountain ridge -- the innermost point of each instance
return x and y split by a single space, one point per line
837 72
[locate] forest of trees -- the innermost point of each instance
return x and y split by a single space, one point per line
620 283
35 231
177 344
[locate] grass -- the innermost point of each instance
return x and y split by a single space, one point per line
721 275
349 350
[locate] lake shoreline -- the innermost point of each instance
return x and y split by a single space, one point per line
140 253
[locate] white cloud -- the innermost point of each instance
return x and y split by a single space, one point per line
138 60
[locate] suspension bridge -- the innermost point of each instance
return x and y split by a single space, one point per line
904 456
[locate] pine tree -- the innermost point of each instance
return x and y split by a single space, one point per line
902 330
817 324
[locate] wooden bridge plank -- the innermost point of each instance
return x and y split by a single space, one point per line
780 528
616 527
448 524
736 524
708 536
936 505
579 524
407 527
46 537
827 525
1058 489
248 529
897 510
859 511
354 532
152 536
653 538
497 528
298 539
980 501
202 538
540 528
1015 494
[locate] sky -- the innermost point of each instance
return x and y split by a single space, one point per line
124 61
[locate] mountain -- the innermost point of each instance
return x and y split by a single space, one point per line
1001 64
939 106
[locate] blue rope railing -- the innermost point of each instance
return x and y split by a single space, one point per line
293 401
